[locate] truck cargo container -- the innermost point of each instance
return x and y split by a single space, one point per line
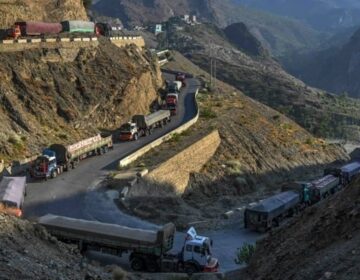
35 28
349 171
323 187
58 158
80 26
269 212
12 193
148 248
142 125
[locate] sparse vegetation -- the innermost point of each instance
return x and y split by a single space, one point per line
244 253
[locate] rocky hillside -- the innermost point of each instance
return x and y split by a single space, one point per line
260 149
278 34
52 11
323 243
335 69
320 14
263 79
27 251
63 95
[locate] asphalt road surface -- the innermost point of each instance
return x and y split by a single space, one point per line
76 193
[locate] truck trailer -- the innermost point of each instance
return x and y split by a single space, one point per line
148 248
269 212
142 125
58 158
12 193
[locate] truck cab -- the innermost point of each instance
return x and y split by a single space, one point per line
196 254
129 132
45 166
181 77
172 99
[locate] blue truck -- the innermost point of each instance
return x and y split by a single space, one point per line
59 158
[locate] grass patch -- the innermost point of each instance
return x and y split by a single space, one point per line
207 113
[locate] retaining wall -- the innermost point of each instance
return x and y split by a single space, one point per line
128 40
134 156
176 170
36 43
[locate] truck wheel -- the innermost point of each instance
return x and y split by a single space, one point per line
53 174
137 264
190 269
136 137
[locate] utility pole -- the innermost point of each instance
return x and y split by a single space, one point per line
213 66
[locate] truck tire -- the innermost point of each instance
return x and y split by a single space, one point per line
137 264
136 137
53 174
191 268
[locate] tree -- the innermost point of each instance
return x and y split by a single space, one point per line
87 4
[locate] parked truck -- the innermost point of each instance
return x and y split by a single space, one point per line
58 158
181 77
142 125
12 193
268 213
149 249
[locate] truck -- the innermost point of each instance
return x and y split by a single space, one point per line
148 249
323 187
142 125
181 77
59 158
172 99
271 211
12 194
349 171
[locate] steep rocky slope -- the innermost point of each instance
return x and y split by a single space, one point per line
323 243
27 251
46 10
278 34
335 69
263 79
320 14
63 95
260 149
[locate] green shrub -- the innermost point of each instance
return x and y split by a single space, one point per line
207 113
244 254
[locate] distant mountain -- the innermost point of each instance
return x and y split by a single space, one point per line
336 69
320 14
278 34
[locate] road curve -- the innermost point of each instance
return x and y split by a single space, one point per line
65 195
76 194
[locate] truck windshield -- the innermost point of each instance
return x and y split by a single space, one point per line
126 127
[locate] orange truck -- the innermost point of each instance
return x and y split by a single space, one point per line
12 194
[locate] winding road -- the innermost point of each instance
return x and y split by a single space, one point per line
76 194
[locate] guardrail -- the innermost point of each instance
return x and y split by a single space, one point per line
134 156
47 40
76 39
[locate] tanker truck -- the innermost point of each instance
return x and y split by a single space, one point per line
149 249
142 125
59 158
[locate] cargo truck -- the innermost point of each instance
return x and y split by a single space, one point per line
149 249
58 158
12 193
181 77
142 125
268 213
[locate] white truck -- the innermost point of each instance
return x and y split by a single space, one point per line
142 125
149 249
